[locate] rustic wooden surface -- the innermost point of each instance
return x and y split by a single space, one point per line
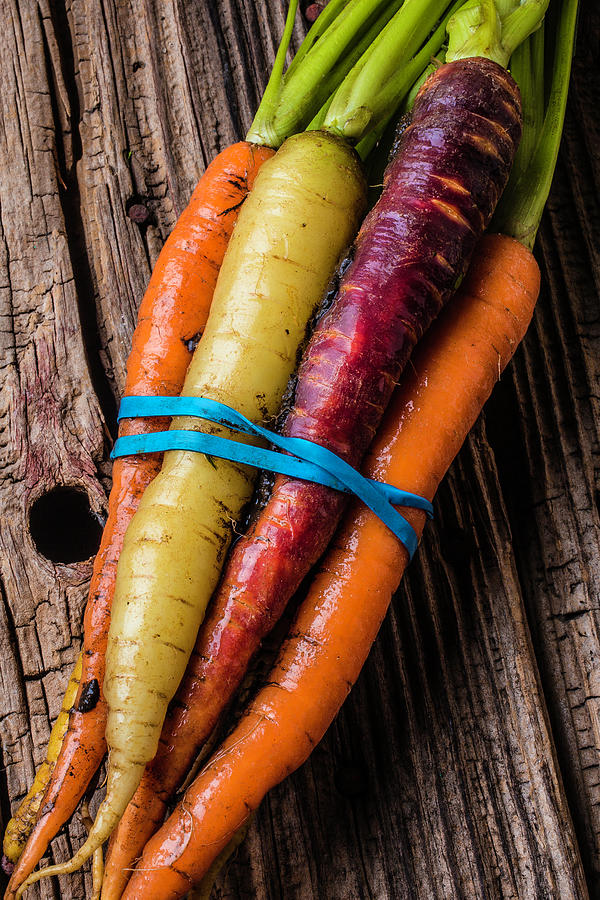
466 762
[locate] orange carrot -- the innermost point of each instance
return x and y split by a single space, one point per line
171 319
439 399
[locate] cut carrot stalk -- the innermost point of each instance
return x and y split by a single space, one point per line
438 402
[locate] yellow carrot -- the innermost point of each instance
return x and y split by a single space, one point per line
21 824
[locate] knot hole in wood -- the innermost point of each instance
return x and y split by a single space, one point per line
63 526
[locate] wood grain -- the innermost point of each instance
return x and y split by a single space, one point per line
465 763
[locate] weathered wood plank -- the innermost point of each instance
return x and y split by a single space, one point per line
439 778
52 427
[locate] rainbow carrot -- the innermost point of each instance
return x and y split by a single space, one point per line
433 202
454 371
505 276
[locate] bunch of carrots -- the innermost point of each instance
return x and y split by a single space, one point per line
247 266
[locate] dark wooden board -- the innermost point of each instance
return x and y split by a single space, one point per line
465 762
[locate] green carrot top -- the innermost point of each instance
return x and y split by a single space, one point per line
378 49
337 39
492 28
520 209
372 49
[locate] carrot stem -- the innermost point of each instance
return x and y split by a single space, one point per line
350 60
520 210
272 93
333 9
377 83
293 99
527 68
342 33
415 69
521 22
493 28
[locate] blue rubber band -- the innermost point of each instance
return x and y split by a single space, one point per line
309 461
